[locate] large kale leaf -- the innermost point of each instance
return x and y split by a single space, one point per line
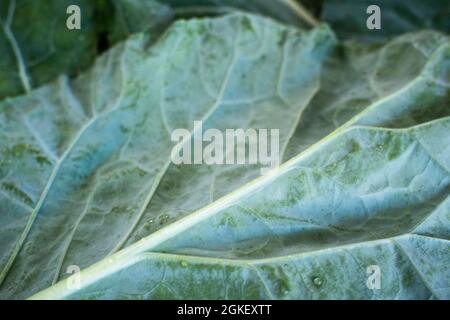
86 176
89 160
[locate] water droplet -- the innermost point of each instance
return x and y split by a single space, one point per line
163 219
283 287
317 281
148 225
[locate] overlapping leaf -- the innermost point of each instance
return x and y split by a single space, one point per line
286 11
348 17
37 46
362 196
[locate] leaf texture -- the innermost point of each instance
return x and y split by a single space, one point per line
98 176
348 17
368 196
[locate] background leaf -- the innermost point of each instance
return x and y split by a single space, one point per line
367 196
85 166
37 46
348 17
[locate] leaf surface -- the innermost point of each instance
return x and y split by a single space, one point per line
79 185
348 17
367 197
286 11
87 168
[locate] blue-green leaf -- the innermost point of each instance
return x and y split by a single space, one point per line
366 197
87 167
